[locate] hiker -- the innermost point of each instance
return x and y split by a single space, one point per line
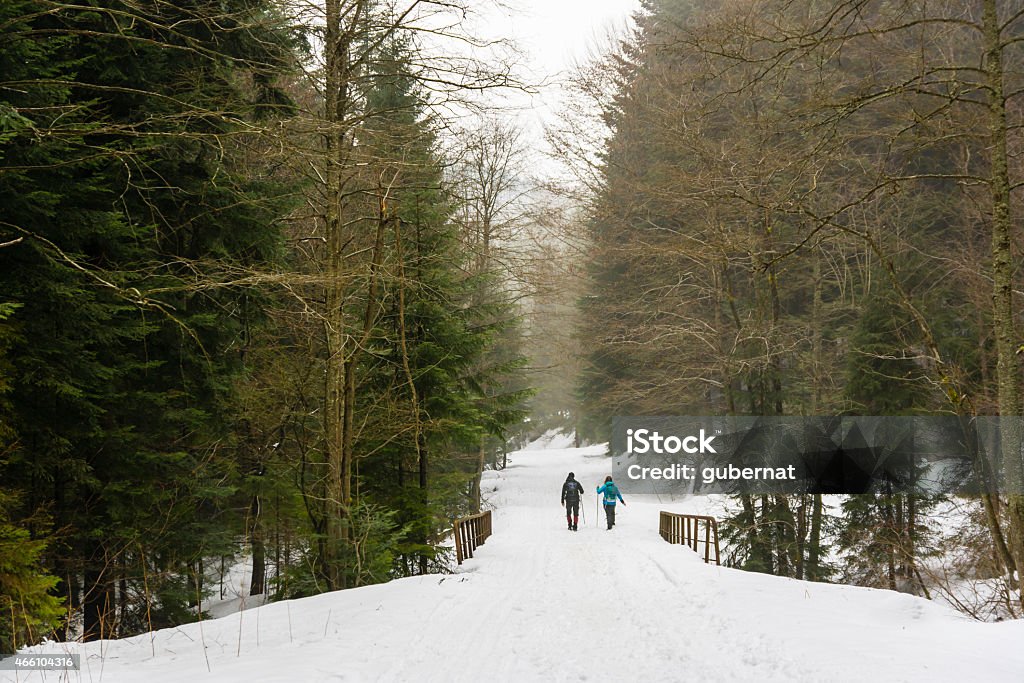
571 492
611 492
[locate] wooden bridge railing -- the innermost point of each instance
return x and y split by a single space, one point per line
686 530
470 532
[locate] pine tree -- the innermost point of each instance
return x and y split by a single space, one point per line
122 365
427 349
30 611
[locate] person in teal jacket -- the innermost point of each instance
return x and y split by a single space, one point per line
611 492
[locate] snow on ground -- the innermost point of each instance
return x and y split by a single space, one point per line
233 588
555 439
541 603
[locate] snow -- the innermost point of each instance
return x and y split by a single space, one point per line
541 603
233 594
555 439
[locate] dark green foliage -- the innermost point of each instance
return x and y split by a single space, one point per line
774 535
884 376
158 405
431 363
888 371
29 610
762 241
882 539
127 190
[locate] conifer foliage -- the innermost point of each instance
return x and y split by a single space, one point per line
791 216
123 184
161 293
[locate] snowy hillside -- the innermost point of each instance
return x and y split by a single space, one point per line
541 603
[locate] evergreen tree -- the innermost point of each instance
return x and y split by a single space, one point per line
25 601
432 336
120 389
30 611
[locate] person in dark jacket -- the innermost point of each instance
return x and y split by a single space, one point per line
611 492
571 492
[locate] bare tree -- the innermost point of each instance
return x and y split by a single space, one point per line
353 33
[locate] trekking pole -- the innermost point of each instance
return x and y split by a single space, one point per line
583 509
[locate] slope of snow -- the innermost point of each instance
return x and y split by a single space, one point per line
554 439
541 603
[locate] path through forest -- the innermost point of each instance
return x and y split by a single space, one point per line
541 603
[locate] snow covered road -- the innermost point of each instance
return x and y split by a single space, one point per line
541 603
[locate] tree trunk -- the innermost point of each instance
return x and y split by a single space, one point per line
1006 340
814 544
478 478
339 35
334 297
900 533
122 594
785 526
259 552
760 548
816 327
199 577
889 547
96 605
277 541
910 536
423 490
1004 559
750 519
774 366
418 435
801 536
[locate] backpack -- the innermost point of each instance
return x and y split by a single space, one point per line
611 491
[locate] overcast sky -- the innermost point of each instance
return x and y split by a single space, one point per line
553 35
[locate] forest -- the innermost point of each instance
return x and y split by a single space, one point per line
814 209
279 281
250 303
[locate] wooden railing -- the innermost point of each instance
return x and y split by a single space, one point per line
686 530
470 532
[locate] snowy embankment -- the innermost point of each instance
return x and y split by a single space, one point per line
541 603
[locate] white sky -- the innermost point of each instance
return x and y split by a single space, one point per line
555 33
553 36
